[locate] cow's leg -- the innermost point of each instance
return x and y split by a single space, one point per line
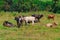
26 22
32 22
38 20
53 18
18 26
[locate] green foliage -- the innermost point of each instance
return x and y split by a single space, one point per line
29 5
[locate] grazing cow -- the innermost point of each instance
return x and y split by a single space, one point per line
51 24
29 19
38 16
8 24
51 16
19 21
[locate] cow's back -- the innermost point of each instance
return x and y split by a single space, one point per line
30 18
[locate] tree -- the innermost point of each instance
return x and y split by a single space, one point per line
7 5
10 2
54 6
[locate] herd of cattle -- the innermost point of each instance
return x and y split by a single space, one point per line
30 19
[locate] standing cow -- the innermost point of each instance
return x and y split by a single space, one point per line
51 16
19 21
29 19
38 16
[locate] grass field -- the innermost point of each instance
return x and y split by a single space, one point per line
38 31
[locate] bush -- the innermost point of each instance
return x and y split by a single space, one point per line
25 5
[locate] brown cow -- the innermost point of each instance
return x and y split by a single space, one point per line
51 16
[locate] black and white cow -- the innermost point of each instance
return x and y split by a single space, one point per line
19 21
8 24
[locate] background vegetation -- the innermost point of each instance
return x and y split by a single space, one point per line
31 5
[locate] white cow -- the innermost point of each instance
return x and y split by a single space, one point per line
29 18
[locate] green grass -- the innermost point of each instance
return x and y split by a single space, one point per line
38 31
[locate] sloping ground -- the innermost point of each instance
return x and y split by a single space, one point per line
38 31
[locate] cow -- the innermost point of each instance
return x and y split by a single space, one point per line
51 16
19 21
8 24
51 24
38 16
29 19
